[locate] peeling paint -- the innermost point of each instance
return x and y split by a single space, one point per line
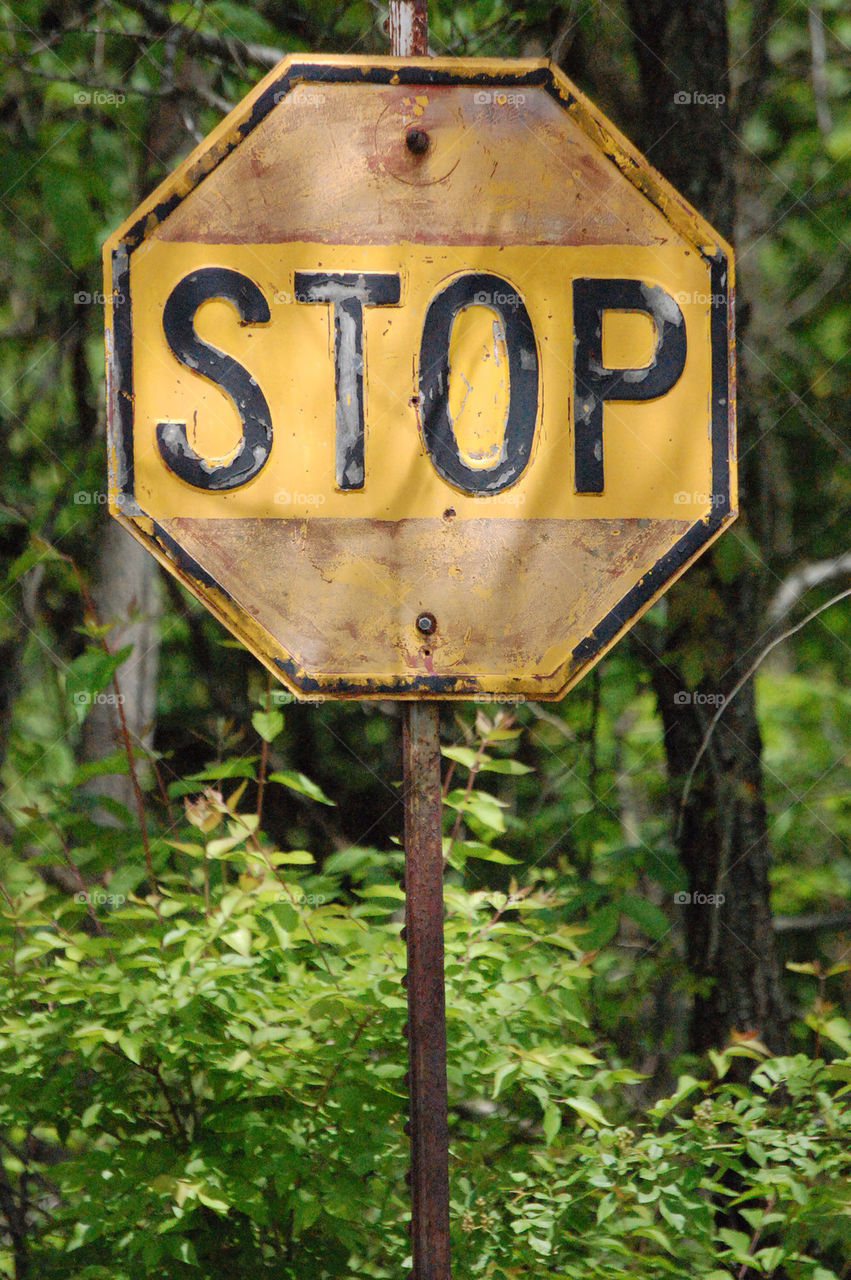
498 575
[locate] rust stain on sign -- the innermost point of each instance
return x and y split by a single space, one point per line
421 338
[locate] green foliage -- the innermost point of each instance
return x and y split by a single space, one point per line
202 1075
200 1062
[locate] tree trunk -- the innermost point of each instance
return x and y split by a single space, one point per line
682 50
126 592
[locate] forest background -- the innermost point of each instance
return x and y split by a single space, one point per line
200 1025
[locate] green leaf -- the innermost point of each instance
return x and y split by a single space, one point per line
481 806
268 724
836 1029
87 676
239 940
298 782
543 1247
484 852
236 767
290 858
587 1108
115 762
506 1073
504 765
381 891
651 918
462 755
35 553
738 1242
552 1122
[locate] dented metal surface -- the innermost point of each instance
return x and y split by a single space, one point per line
323 477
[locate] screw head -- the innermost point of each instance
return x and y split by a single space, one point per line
427 623
417 140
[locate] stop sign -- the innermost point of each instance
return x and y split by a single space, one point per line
420 378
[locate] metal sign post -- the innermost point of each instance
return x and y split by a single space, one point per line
428 1127
424 980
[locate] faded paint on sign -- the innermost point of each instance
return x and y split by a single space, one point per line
286 449
478 390
652 453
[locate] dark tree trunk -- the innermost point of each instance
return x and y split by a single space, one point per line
681 47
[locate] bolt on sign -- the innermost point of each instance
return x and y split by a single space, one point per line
420 378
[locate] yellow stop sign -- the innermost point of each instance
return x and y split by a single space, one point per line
420 378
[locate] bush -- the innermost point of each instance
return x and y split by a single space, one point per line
206 1080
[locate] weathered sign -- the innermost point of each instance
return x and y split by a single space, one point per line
420 378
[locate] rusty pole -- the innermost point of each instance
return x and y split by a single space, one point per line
428 1127
407 24
424 980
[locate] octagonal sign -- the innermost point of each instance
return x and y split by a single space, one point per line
420 378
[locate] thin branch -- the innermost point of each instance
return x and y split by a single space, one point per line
229 47
740 684
810 297
341 1058
119 91
755 1238
809 575
812 923
818 51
